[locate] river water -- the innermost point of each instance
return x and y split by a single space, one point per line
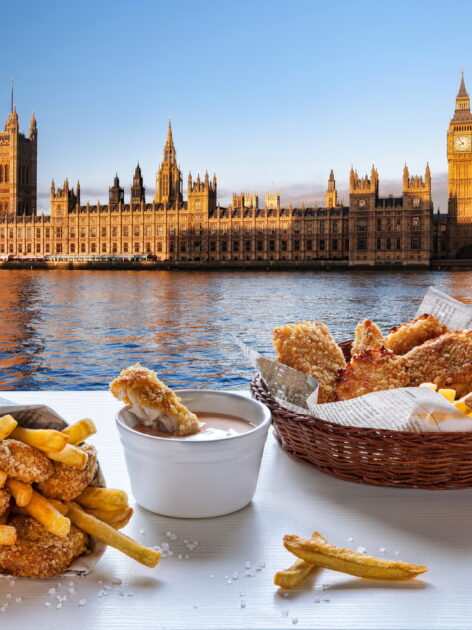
78 329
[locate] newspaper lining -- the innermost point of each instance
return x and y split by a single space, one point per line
414 409
43 417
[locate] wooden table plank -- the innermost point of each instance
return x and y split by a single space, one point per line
432 528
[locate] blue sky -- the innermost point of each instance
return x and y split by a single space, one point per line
270 95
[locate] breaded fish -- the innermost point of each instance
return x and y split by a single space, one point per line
39 554
445 361
402 339
4 501
153 402
24 462
371 371
309 347
67 482
367 337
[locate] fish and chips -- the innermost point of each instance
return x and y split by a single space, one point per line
48 509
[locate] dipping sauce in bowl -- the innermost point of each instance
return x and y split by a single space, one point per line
213 426
211 473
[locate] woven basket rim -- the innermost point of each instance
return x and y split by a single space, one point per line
305 419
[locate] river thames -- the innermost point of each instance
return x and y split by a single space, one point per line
78 329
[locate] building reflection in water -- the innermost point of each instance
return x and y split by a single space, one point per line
76 330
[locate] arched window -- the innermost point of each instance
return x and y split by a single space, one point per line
1 173
5 173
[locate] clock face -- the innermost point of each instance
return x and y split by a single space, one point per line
462 143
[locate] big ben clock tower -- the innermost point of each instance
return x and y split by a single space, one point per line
459 157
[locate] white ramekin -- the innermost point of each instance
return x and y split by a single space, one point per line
197 479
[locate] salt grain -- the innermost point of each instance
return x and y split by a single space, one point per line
242 604
286 595
141 531
82 602
284 612
397 553
51 590
361 549
247 565
294 620
59 605
326 599
18 600
130 593
47 604
382 550
317 600
9 596
212 575
235 575
242 594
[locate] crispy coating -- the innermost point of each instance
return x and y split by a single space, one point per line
23 462
445 361
371 371
310 348
39 554
402 339
4 501
67 482
368 337
153 402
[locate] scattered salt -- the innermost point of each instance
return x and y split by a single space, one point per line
82 602
212 575
51 590
47 604
361 549
382 550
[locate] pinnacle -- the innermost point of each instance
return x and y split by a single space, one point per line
462 93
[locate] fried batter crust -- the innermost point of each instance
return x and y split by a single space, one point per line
39 554
402 339
23 462
4 501
67 482
310 348
445 361
367 337
140 386
371 371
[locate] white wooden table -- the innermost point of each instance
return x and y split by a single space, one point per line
207 587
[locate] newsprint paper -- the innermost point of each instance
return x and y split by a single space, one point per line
414 409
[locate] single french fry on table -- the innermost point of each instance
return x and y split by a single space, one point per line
46 440
22 492
117 518
110 536
80 431
7 425
49 517
103 498
70 455
350 562
7 535
3 478
297 572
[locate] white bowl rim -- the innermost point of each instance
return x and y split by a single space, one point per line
179 392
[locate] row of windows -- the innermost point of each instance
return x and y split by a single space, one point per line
389 243
362 225
4 173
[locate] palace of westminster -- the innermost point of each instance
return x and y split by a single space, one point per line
372 230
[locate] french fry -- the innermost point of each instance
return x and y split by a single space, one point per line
22 492
103 498
7 535
80 431
104 532
46 440
448 394
50 518
432 386
301 569
7 424
351 562
3 478
116 518
59 506
70 455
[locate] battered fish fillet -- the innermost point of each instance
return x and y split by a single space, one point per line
4 501
402 339
445 361
309 347
67 482
367 337
23 462
153 402
371 371
39 554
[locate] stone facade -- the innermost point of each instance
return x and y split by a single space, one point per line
371 230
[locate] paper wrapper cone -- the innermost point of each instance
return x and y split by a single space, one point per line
42 417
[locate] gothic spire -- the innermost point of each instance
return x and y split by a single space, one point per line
462 93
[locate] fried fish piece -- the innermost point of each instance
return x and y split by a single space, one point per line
67 482
4 501
402 339
153 402
445 361
367 337
371 371
309 347
24 462
39 554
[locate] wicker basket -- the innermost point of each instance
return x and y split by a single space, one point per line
432 461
